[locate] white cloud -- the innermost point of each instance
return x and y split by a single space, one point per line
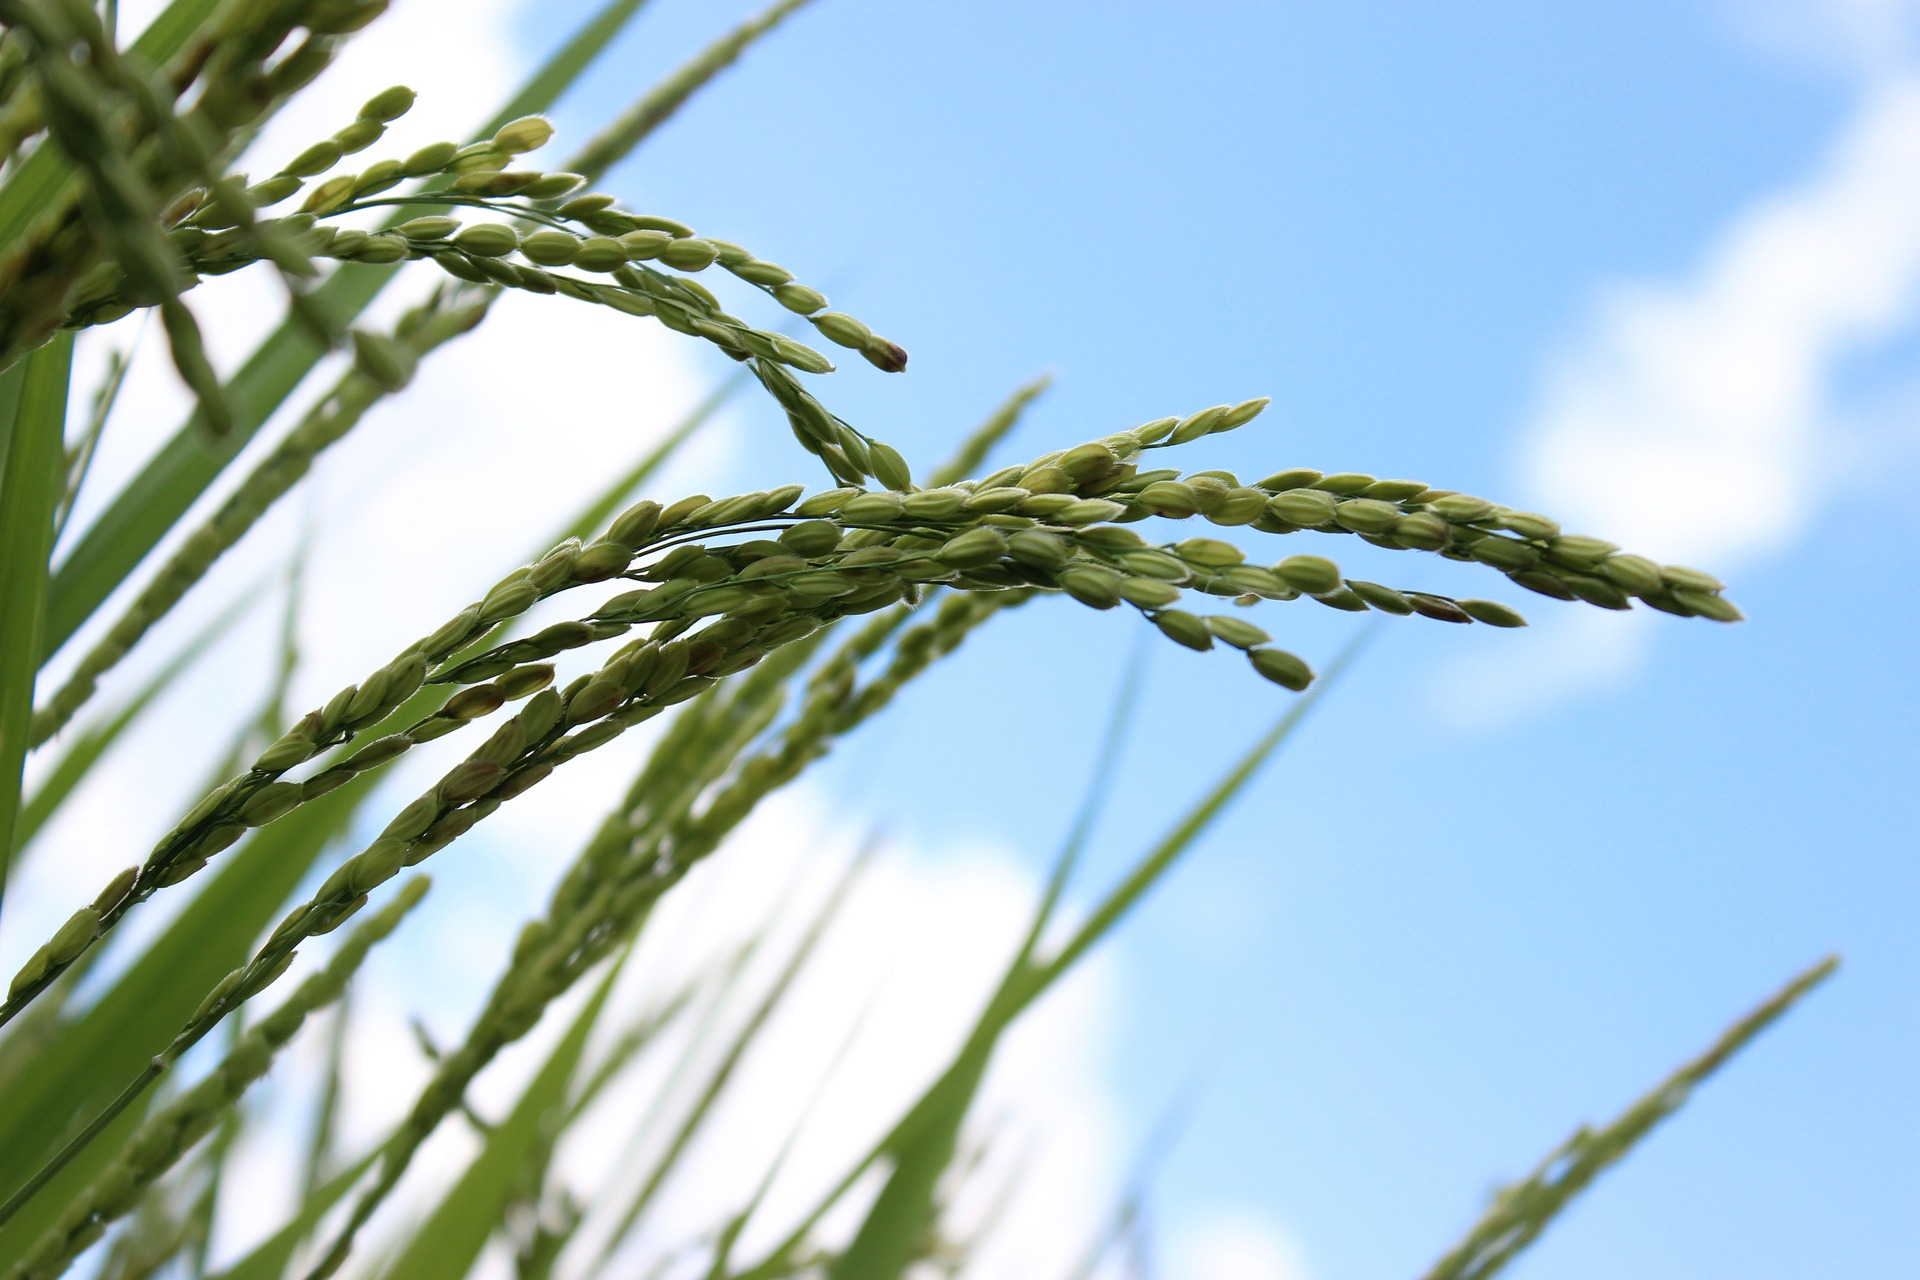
1698 420
1236 1246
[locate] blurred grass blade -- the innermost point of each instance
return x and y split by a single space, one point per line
1106 773
93 742
922 1145
618 139
1125 1219
975 448
181 1121
634 1041
80 456
1520 1212
32 480
446 1245
269 1260
722 1071
729 1235
594 517
1148 871
326 1110
173 480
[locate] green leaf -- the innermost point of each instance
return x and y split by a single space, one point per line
722 1071
157 498
975 448
1124 896
596 514
446 1245
269 1260
32 481
922 1144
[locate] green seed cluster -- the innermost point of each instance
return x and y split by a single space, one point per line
717 600
119 121
747 584
173 1130
585 233
1409 515
642 851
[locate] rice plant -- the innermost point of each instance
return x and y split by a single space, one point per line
759 629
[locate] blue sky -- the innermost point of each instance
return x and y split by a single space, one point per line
1652 267
1427 944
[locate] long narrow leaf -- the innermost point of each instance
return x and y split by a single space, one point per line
722 1071
31 485
446 1245
619 139
78 760
139 1015
269 1259
922 1143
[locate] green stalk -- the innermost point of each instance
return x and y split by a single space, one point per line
31 486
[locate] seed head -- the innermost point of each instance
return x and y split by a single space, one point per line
388 104
1281 667
1365 515
1210 553
1148 593
975 547
689 253
528 133
316 159
431 158
1438 608
1184 628
1315 575
1195 425
487 239
799 299
1385 599
1491 612
1237 632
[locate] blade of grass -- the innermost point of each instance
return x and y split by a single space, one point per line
140 1013
722 1072
633 126
446 1245
922 1143
326 1110
728 1237
1520 1212
594 517
1148 872
269 1259
80 456
179 1124
31 483
975 448
93 742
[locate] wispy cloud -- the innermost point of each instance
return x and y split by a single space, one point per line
1236 1246
1697 419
